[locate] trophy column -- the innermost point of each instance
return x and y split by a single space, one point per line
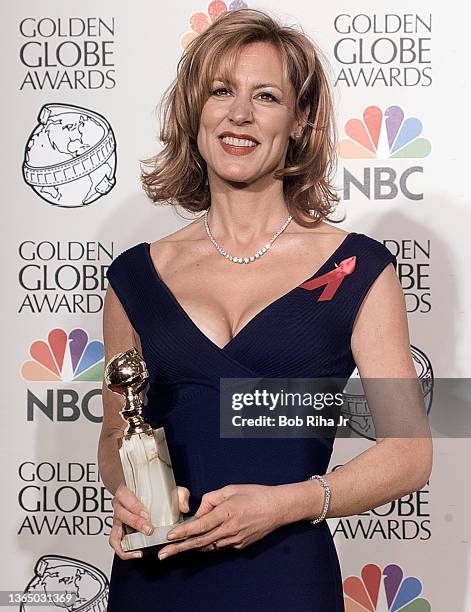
144 454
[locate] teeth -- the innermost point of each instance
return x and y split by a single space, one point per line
237 142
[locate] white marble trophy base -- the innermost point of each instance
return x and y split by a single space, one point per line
148 474
137 540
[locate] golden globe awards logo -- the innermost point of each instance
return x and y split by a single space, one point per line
62 498
63 277
71 53
383 49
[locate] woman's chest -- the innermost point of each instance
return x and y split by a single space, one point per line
293 336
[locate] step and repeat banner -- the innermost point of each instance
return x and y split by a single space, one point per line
81 82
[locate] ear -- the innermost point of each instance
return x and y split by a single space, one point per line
305 117
300 125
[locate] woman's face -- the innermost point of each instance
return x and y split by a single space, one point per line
245 125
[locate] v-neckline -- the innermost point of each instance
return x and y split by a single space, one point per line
257 315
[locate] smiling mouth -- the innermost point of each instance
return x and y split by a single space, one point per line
237 150
238 142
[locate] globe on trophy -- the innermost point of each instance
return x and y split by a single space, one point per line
144 454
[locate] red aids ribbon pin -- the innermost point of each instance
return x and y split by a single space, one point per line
332 280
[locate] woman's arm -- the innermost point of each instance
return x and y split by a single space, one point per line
393 467
118 335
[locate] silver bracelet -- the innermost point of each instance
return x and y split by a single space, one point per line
325 506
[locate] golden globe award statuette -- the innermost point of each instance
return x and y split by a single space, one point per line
144 454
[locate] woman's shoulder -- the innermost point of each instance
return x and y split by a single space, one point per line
185 242
182 234
373 248
359 243
166 241
127 256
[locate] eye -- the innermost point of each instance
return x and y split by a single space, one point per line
216 91
265 93
271 96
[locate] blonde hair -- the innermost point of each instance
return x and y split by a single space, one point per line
178 174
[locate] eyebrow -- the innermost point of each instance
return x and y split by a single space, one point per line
257 86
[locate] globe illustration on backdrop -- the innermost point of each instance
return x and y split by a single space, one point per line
70 157
68 584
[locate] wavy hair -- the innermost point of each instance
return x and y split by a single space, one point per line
178 175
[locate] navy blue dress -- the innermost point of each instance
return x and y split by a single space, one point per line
296 566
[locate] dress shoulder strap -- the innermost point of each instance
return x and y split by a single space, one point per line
371 258
127 275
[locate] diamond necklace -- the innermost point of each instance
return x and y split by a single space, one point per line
251 258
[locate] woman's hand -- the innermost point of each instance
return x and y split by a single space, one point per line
130 511
234 515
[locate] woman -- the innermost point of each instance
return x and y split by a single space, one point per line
249 139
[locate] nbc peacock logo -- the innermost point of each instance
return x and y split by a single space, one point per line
65 357
383 135
200 21
384 590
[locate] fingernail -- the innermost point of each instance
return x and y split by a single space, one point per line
148 529
162 556
171 536
144 514
138 555
187 508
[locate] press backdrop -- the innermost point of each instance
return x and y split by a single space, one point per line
80 85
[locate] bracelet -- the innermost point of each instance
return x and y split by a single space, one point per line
325 506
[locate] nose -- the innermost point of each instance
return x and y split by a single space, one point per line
241 111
